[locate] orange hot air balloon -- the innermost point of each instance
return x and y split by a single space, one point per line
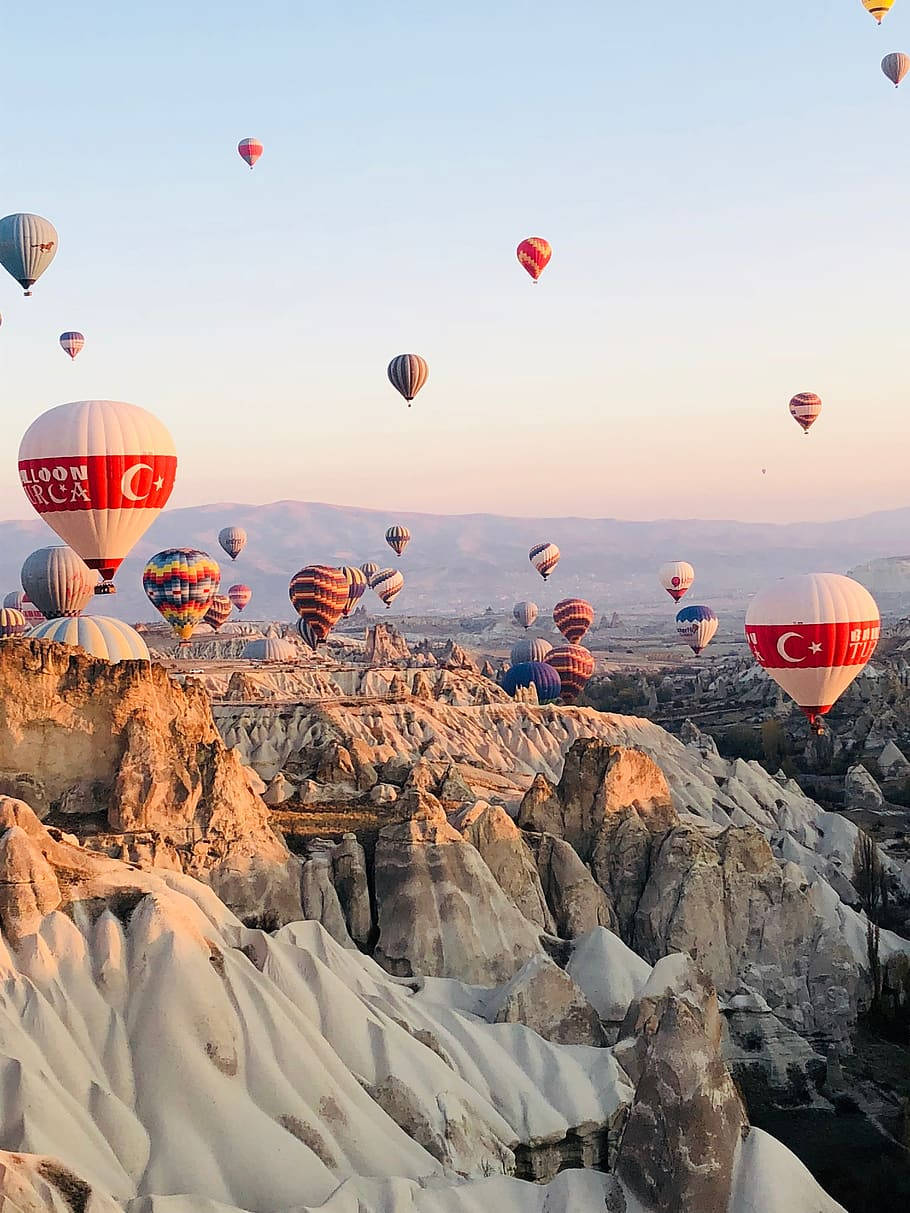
574 665
318 593
250 150
573 617
534 254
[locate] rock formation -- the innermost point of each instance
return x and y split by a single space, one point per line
386 646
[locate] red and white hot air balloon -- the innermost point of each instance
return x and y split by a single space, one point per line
676 577
71 342
99 473
805 408
250 150
813 634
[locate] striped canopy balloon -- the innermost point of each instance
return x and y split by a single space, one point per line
18 601
696 625
573 617
181 583
58 582
805 408
544 557
232 540
240 595
574 665
539 674
28 244
530 648
357 583
398 538
895 66
71 343
318 593
525 613
250 150
534 254
12 623
370 569
219 611
110 639
878 8
387 583
407 374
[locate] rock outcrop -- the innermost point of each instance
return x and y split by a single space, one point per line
544 997
385 645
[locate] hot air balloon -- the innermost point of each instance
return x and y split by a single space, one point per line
180 584
398 538
407 374
71 343
28 244
676 577
98 472
805 408
12 623
538 674
17 601
530 648
533 254
370 569
525 613
696 625
574 665
357 583
232 540
813 634
878 8
271 648
544 557
895 67
109 639
318 593
573 617
250 150
58 582
240 595
387 583
219 611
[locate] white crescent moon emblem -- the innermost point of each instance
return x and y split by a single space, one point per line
126 481
782 647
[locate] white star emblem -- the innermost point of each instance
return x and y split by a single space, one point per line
159 485
815 647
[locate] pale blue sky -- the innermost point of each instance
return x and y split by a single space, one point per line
725 191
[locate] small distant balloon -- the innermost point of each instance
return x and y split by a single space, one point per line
71 343
574 665
387 583
219 611
407 374
676 576
530 648
696 625
398 538
28 244
543 677
240 595
357 583
544 557
250 150
878 8
525 614
534 254
12 623
895 67
805 408
573 617
232 540
370 568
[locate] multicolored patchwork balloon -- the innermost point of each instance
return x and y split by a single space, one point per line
318 593
181 583
534 254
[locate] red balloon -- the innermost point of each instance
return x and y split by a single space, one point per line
573 617
534 254
574 665
250 150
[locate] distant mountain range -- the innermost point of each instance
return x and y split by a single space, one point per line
458 563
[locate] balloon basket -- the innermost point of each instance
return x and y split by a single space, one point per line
106 587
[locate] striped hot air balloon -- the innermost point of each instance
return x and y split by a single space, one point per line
28 244
16 600
110 639
895 67
534 254
181 583
219 611
878 8
804 409
676 577
387 583
813 634
318 593
544 557
370 569
530 648
574 665
58 582
357 583
250 150
525 614
71 343
573 617
12 623
539 674
98 472
398 538
407 374
696 625
233 540
240 595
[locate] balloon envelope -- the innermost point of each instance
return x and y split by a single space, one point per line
387 583
250 150
219 611
813 634
109 639
574 665
370 569
525 613
357 583
543 677
58 582
240 595
181 583
18 601
407 374
676 576
318 593
534 254
530 648
895 67
804 409
99 473
12 623
573 617
878 8
544 557
696 625
71 343
398 538
28 244
232 540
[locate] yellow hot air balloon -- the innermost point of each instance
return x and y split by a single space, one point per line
878 8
